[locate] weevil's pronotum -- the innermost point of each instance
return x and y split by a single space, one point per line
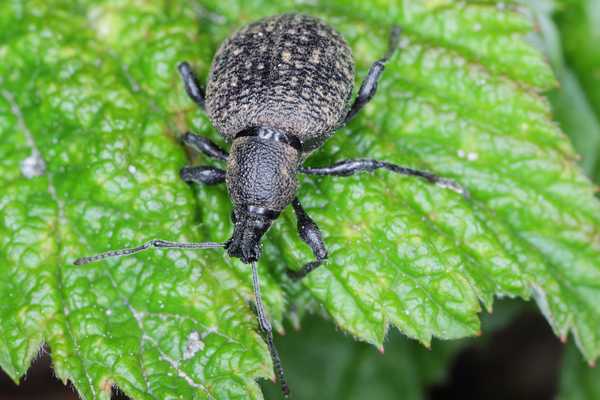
277 89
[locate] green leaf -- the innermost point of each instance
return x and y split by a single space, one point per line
324 364
409 254
578 380
162 325
92 86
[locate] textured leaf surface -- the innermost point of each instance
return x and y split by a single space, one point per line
93 86
159 326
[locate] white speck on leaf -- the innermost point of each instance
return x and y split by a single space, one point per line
33 166
193 345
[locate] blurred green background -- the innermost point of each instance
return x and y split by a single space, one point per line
569 34
517 356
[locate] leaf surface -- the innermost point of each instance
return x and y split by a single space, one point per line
92 87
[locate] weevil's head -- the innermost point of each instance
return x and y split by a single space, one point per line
250 224
261 180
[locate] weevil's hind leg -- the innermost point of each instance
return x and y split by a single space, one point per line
267 330
204 145
192 87
203 174
351 167
310 233
368 88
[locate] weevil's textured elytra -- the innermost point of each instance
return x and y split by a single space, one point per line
289 72
277 89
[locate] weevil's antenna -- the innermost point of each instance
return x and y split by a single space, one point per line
265 327
152 243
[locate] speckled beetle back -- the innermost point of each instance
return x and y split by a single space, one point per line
289 72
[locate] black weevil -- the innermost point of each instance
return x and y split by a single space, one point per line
277 89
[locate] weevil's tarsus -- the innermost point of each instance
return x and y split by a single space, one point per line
267 330
368 87
393 43
192 87
351 167
452 185
157 243
203 174
204 145
305 270
311 234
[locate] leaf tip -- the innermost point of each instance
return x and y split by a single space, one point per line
563 338
106 386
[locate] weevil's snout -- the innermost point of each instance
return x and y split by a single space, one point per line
247 233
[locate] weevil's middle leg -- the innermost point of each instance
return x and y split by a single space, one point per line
368 88
204 145
351 167
310 233
203 174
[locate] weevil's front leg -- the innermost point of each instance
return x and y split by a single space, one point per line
203 174
192 87
351 167
204 145
310 233
368 88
